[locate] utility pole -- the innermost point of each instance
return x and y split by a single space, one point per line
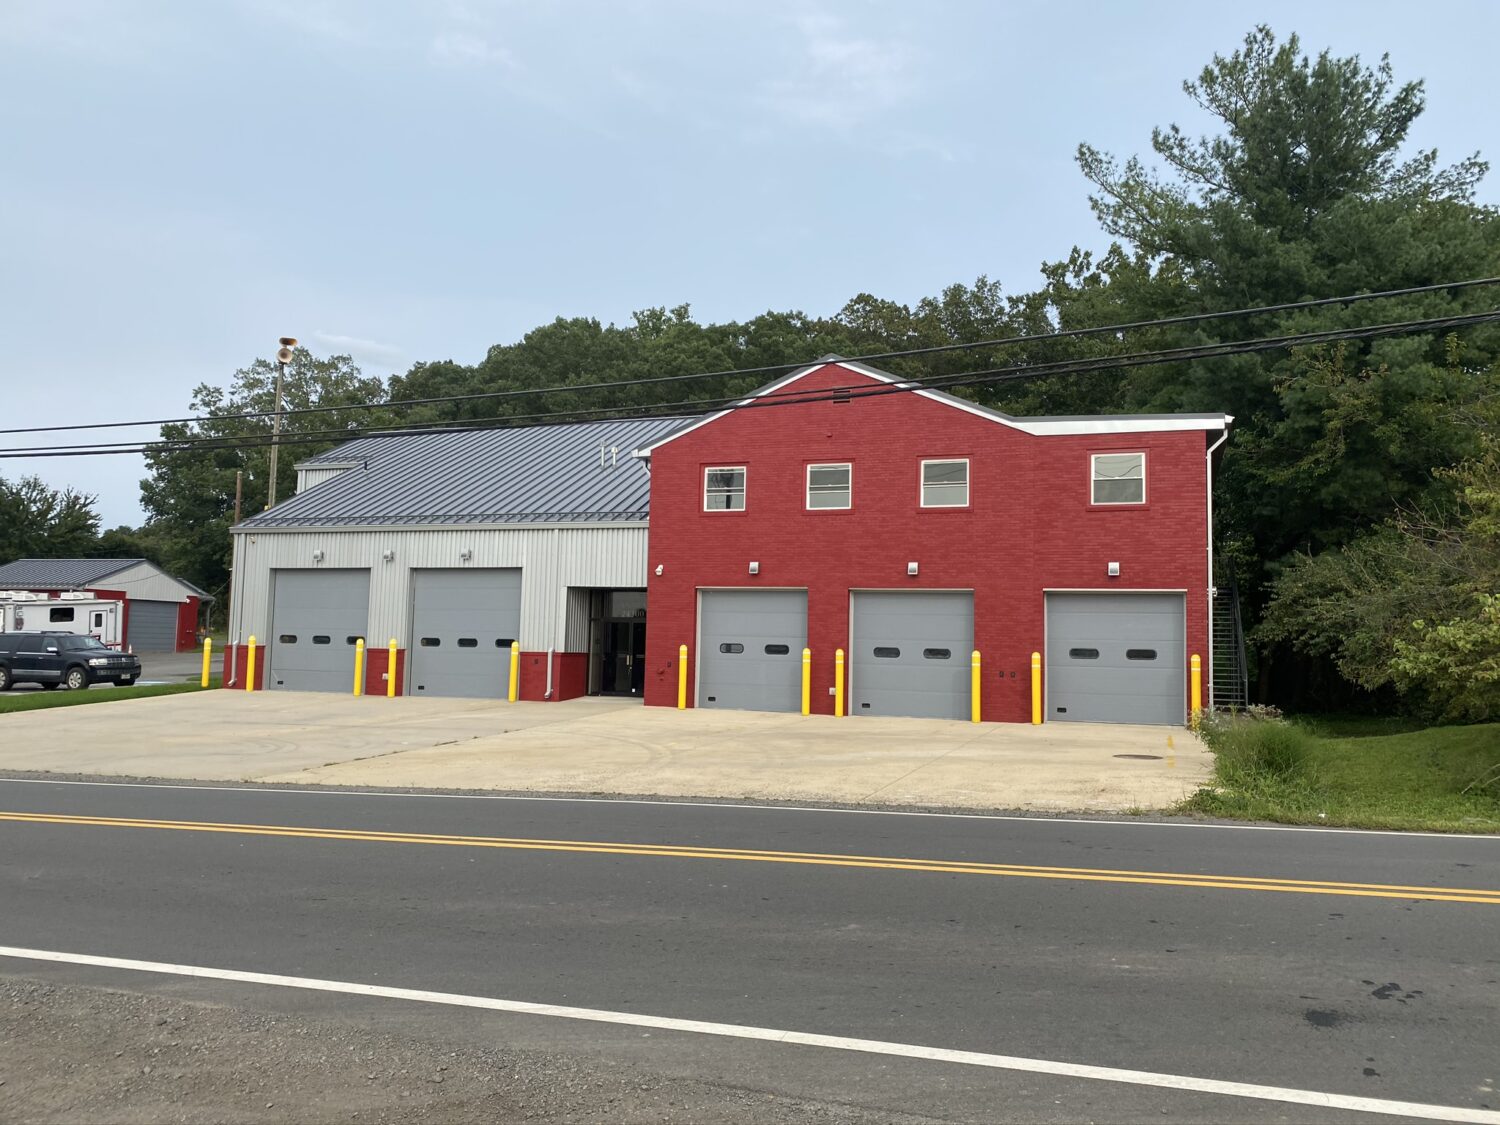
283 357
239 492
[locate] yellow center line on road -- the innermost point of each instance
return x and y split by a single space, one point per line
1490 897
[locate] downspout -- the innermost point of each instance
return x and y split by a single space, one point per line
1208 472
235 557
563 600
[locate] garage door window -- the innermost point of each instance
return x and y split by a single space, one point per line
828 487
1119 478
945 484
724 489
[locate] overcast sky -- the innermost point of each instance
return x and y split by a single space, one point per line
182 182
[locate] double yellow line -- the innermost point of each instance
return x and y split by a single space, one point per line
815 859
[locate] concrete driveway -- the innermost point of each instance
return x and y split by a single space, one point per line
610 746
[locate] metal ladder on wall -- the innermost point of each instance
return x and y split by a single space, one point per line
1227 670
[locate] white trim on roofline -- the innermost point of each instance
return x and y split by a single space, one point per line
1042 427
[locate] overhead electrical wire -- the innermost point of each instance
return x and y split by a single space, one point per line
1004 341
787 398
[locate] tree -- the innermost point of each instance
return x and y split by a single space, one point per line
189 496
1411 605
1307 189
41 522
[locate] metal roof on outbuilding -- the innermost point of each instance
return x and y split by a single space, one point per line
60 574
78 574
573 473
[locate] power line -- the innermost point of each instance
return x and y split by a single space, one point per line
1074 333
793 398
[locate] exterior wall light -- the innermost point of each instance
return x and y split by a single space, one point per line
388 556
466 554
317 556
911 570
755 568
1114 570
660 570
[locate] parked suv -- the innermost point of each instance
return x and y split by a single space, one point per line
51 659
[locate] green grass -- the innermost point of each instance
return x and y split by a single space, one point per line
1356 772
41 700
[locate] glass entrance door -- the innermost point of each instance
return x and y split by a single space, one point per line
624 657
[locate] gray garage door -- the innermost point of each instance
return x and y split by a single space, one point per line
316 616
911 653
750 646
1116 658
153 626
463 622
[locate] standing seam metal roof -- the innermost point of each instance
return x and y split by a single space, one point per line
510 475
60 574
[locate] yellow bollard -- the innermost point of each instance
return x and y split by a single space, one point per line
359 667
838 682
974 687
682 677
390 670
1197 665
250 664
1036 689
807 681
513 690
208 656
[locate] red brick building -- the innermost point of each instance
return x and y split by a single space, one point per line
911 528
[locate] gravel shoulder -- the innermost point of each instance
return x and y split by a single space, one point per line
89 1055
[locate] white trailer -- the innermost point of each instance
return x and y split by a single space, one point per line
77 613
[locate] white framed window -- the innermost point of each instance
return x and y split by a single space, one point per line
724 488
1117 478
830 486
945 484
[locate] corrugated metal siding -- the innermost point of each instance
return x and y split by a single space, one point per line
146 583
314 475
551 559
576 636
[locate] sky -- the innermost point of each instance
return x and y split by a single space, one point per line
183 182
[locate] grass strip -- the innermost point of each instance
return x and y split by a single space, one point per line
1355 773
40 700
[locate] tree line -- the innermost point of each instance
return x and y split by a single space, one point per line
1357 501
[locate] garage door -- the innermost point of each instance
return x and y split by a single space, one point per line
750 645
911 653
153 626
316 616
1116 658
463 622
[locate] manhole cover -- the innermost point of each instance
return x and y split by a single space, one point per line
1141 757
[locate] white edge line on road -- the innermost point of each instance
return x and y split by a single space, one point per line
1039 818
796 1038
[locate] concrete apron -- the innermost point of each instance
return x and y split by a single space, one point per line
611 746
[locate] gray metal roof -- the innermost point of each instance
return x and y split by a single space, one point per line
59 574
512 475
73 574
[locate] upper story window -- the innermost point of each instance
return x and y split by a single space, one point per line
945 484
1118 478
829 486
724 489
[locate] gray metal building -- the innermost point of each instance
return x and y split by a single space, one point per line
454 544
162 610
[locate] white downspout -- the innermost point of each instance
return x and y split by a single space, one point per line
563 597
1208 472
235 558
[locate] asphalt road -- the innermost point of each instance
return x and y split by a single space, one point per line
1211 952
